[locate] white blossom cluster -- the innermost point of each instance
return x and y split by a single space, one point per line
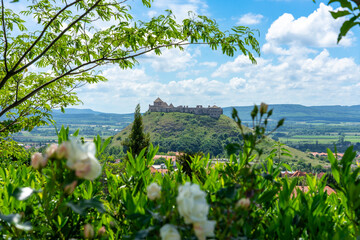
80 158
192 206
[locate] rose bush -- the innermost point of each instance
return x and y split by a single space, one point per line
235 200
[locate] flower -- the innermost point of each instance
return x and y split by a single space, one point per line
153 191
169 232
204 229
192 204
81 158
51 150
38 161
88 231
243 203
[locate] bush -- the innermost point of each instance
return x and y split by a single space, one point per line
59 197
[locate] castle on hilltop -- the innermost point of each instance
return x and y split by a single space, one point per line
161 106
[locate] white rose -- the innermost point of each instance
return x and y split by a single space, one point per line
153 191
169 232
81 158
192 204
204 229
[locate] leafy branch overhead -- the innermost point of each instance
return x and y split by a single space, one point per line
41 68
350 9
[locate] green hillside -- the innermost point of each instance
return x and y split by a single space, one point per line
188 132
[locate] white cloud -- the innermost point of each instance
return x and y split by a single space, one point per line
318 29
170 60
152 13
250 19
181 8
209 64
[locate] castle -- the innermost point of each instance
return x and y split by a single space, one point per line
161 106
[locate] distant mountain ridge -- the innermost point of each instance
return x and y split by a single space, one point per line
297 112
291 112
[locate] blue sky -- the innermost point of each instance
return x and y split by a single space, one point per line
300 62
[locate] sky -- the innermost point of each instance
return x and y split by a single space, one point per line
300 61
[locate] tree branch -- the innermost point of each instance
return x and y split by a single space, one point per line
40 36
5 38
357 2
96 62
13 71
57 38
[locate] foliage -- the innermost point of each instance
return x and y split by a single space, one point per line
137 140
349 8
235 200
41 68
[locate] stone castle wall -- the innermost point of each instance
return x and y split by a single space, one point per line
161 106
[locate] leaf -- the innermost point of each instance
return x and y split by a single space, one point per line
287 166
84 204
280 122
311 181
334 166
15 219
23 193
347 25
338 14
267 196
105 144
270 165
76 133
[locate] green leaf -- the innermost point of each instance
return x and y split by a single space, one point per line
267 196
105 144
287 166
76 133
81 206
347 25
23 193
334 166
338 14
311 181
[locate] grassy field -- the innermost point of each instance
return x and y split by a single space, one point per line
323 139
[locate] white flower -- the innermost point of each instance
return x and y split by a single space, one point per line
169 232
81 158
192 204
243 203
204 229
153 191
38 161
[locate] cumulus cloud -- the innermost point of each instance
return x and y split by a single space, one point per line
170 60
181 8
250 19
318 29
321 79
209 64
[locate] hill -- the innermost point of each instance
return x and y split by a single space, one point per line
188 132
88 116
295 112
